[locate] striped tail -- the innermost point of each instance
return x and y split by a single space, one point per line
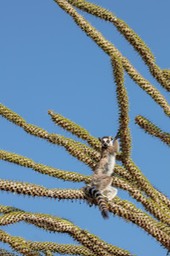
94 193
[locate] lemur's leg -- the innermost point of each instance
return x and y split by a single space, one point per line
106 188
110 192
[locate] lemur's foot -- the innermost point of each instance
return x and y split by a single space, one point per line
111 193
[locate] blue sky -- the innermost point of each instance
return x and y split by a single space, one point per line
47 62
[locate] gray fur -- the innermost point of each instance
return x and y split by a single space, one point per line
102 179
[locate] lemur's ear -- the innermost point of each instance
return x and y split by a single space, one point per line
100 139
116 146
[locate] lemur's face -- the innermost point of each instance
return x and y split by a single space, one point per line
106 141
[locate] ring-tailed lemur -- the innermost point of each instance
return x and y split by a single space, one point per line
100 187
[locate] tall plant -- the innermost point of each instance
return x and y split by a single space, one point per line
155 219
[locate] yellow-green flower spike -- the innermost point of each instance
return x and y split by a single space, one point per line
55 224
145 184
166 73
73 148
30 189
74 128
160 212
48 253
130 36
18 244
44 169
132 208
152 129
4 252
121 26
143 221
35 190
123 104
122 172
147 87
61 248
76 149
110 49
11 116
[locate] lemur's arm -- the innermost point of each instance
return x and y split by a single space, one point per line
115 148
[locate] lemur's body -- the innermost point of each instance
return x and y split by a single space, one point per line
100 185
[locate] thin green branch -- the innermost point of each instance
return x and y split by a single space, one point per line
75 149
145 223
94 152
58 225
129 35
75 129
35 247
18 244
122 98
130 207
30 189
8 209
55 224
157 210
121 26
48 253
145 185
110 49
6 253
61 248
152 129
40 191
43 169
166 73
120 171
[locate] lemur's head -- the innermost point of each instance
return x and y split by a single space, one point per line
108 141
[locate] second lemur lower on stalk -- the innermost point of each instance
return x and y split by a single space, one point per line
100 187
